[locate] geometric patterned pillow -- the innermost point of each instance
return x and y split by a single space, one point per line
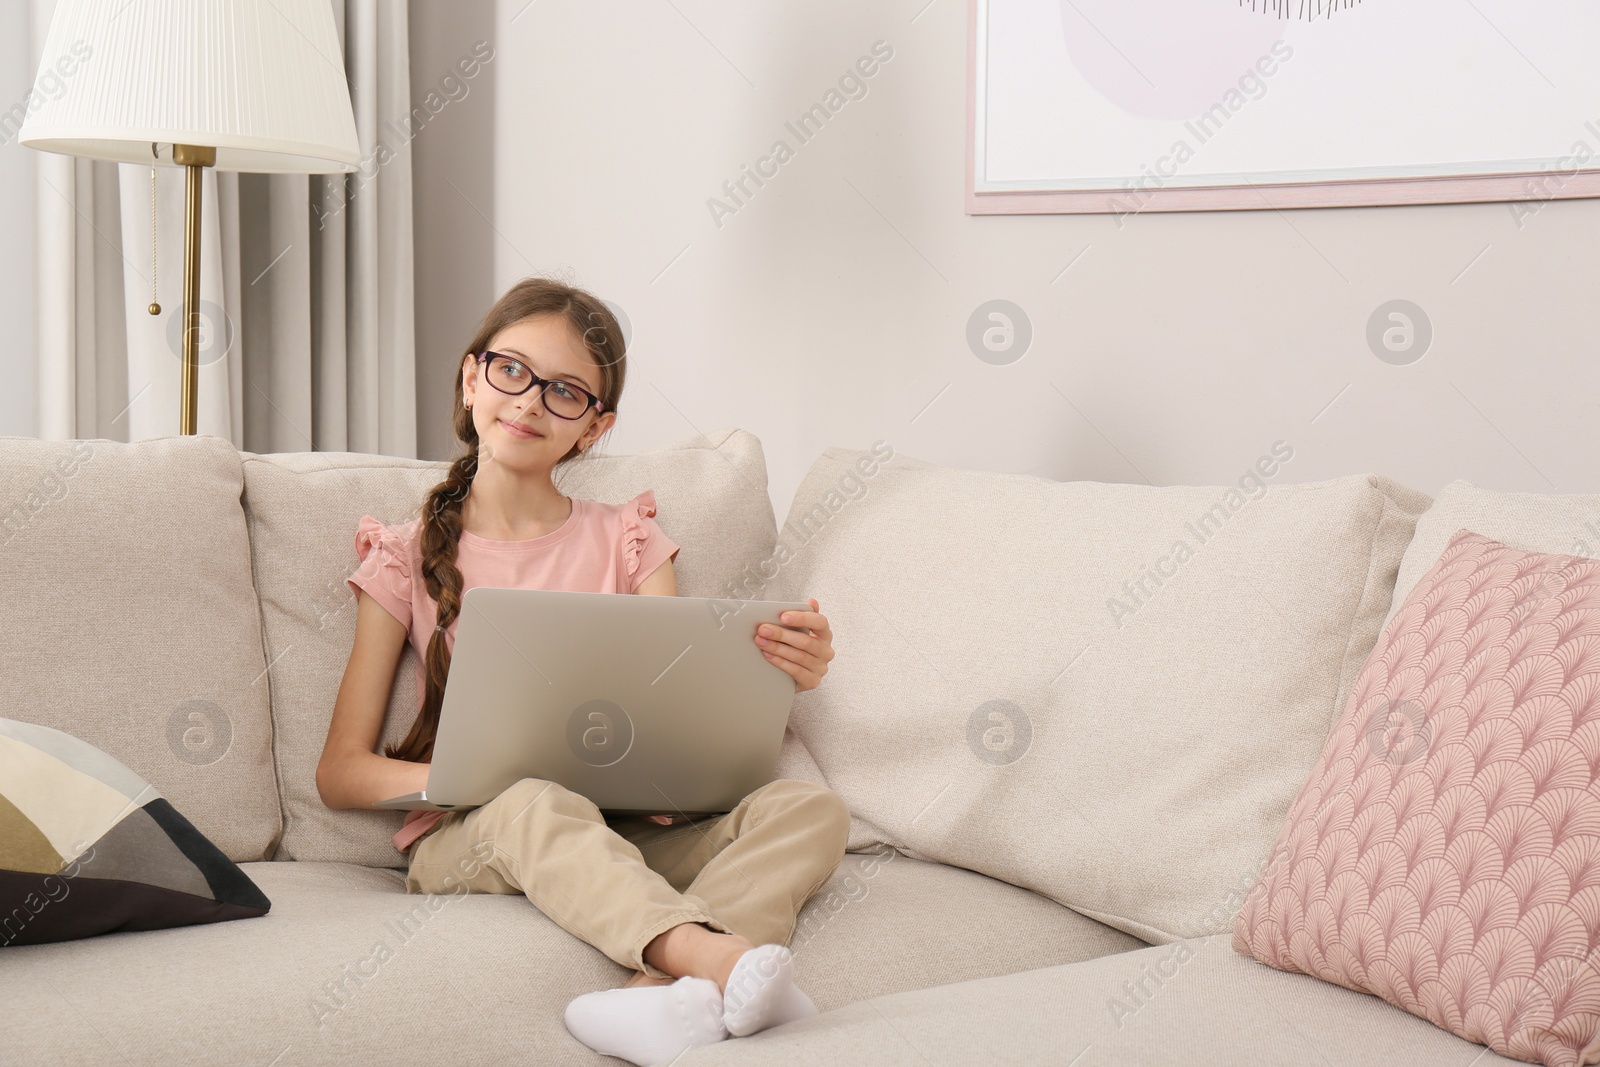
1445 852
88 847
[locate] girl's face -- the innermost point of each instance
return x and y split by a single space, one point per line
548 346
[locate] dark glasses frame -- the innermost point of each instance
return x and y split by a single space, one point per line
487 358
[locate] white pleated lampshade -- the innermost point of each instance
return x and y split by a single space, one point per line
261 81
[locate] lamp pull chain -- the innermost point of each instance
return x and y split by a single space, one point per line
155 308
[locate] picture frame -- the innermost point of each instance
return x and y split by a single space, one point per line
1069 108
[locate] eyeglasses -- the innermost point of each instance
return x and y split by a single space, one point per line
561 399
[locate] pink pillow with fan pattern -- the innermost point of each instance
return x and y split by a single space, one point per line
1445 852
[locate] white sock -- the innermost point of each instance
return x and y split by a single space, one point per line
761 992
649 1024
794 1005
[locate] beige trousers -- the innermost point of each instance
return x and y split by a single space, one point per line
619 881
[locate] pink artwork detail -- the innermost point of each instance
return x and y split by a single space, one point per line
1171 59
1445 852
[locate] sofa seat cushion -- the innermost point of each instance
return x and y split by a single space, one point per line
346 968
132 623
1194 1002
885 922
1109 694
303 509
349 968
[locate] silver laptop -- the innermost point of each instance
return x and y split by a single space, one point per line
644 704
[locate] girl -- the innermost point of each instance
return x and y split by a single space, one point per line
702 911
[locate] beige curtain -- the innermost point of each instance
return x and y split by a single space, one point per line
305 284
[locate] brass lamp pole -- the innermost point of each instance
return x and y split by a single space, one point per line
192 158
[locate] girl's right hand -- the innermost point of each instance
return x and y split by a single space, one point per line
664 820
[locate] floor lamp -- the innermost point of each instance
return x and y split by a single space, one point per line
243 85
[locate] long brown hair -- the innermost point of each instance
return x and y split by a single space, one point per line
440 532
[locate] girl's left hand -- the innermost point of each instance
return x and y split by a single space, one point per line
803 654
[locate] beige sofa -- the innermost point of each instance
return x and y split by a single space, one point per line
1068 718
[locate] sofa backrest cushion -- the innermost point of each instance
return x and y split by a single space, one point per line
303 509
1107 693
131 621
1533 522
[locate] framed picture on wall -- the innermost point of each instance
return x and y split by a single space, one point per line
1118 107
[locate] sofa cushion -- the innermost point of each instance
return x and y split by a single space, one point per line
946 925
1006 698
303 509
132 622
88 847
1194 1002
1445 851
1538 522
348 968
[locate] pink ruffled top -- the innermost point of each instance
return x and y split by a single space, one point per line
601 548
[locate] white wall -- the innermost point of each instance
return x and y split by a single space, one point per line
16 229
832 308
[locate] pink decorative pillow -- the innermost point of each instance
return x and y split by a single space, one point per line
1445 852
